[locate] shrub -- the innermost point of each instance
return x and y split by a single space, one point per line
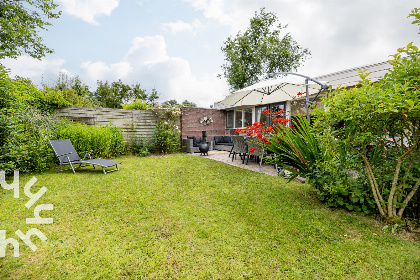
166 137
139 146
136 104
24 130
104 141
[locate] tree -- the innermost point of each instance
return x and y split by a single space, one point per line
260 50
112 95
380 122
150 99
187 103
171 102
19 24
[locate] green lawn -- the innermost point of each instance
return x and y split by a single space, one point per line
185 217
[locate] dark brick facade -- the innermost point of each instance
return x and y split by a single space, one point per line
192 127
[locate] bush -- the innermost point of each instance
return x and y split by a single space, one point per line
24 130
166 137
340 183
139 147
136 104
105 141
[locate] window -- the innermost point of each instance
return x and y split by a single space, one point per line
259 114
238 118
247 117
261 117
229 119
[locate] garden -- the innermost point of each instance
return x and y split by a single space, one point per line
168 215
178 216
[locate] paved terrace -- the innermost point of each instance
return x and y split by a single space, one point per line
252 165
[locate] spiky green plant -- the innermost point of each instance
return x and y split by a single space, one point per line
297 148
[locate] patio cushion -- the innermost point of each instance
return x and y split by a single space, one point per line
197 141
227 139
193 138
218 139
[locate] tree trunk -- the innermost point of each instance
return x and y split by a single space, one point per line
394 186
373 184
408 197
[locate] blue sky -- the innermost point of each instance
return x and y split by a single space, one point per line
175 45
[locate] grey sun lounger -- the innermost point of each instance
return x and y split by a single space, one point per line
67 155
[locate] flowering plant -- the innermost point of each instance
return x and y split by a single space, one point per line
263 130
167 133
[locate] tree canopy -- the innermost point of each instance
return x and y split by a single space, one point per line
20 21
249 56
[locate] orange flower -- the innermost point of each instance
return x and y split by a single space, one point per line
252 150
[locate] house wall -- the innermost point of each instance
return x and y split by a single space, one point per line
192 127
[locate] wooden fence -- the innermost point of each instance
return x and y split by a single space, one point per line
138 123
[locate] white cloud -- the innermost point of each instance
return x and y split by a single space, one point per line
213 9
39 71
100 71
148 63
147 50
88 10
181 26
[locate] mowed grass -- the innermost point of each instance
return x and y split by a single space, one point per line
184 217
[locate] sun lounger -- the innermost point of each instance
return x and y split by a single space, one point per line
67 155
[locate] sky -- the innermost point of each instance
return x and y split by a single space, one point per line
174 46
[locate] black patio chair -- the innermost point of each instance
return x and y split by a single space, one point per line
67 155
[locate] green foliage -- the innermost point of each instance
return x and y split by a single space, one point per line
114 95
339 185
139 93
381 123
171 102
24 130
187 103
415 13
166 137
140 147
136 104
104 141
19 23
328 167
260 50
297 149
50 98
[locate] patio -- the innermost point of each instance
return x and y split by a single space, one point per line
223 156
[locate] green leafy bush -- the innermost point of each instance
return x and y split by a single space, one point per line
136 104
140 147
166 137
24 130
328 167
104 141
340 182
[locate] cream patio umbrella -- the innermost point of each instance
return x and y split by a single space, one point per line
274 90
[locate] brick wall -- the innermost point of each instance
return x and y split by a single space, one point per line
192 127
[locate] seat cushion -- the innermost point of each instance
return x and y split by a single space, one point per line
193 138
218 140
197 141
227 139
